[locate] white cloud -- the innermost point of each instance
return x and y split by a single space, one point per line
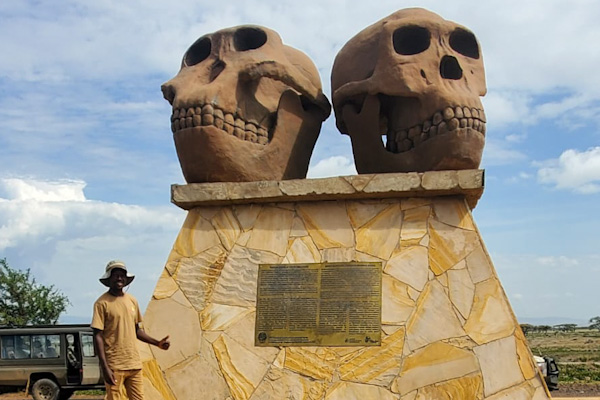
31 190
573 170
498 152
38 209
67 239
506 107
332 166
520 177
524 175
557 261
515 138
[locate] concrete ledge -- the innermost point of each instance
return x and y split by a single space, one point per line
468 183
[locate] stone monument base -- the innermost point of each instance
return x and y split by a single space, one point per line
448 331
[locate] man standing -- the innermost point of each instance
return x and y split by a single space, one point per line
117 323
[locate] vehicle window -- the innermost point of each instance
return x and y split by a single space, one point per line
52 347
45 346
37 349
8 348
22 346
30 346
87 345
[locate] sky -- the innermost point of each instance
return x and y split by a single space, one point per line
87 155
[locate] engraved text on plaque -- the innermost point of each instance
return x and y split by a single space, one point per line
328 304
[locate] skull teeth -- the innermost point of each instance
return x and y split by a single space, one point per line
209 115
446 120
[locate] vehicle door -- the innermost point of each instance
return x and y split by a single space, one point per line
90 364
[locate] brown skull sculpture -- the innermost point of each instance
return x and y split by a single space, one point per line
246 107
416 79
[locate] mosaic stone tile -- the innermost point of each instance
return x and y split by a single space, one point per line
466 388
227 227
454 212
491 317
499 355
362 212
168 317
242 369
327 223
435 363
434 318
411 266
302 250
356 391
375 365
269 221
380 236
447 246
196 235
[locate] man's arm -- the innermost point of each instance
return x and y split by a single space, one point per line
109 377
144 337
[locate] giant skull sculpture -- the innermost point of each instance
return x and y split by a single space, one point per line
245 107
416 79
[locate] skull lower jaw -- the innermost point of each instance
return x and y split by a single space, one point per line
209 154
461 148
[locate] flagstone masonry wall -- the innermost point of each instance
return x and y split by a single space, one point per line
447 326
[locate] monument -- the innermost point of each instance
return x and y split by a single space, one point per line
375 286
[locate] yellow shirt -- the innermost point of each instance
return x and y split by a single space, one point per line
116 317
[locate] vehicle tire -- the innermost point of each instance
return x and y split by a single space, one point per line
45 389
65 394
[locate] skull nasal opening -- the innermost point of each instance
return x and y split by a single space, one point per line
450 68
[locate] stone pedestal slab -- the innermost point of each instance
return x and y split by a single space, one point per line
448 331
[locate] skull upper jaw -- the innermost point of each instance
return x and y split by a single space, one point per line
210 154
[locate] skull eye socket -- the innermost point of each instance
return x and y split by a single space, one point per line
465 43
411 39
197 52
245 39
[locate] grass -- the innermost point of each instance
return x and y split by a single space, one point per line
95 392
576 353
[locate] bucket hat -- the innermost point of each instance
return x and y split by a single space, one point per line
112 265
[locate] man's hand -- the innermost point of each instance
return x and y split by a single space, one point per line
109 376
164 343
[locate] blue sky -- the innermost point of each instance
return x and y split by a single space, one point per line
88 157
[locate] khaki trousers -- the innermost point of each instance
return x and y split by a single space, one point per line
130 385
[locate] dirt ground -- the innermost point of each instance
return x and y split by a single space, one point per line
23 396
569 391
576 390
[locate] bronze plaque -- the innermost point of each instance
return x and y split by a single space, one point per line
328 304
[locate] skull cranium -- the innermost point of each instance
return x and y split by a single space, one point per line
246 107
416 79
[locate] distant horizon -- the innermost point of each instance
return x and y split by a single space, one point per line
550 320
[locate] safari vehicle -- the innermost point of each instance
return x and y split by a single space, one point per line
50 361
549 371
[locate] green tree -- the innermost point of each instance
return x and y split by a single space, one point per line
23 301
543 328
527 328
595 323
566 327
